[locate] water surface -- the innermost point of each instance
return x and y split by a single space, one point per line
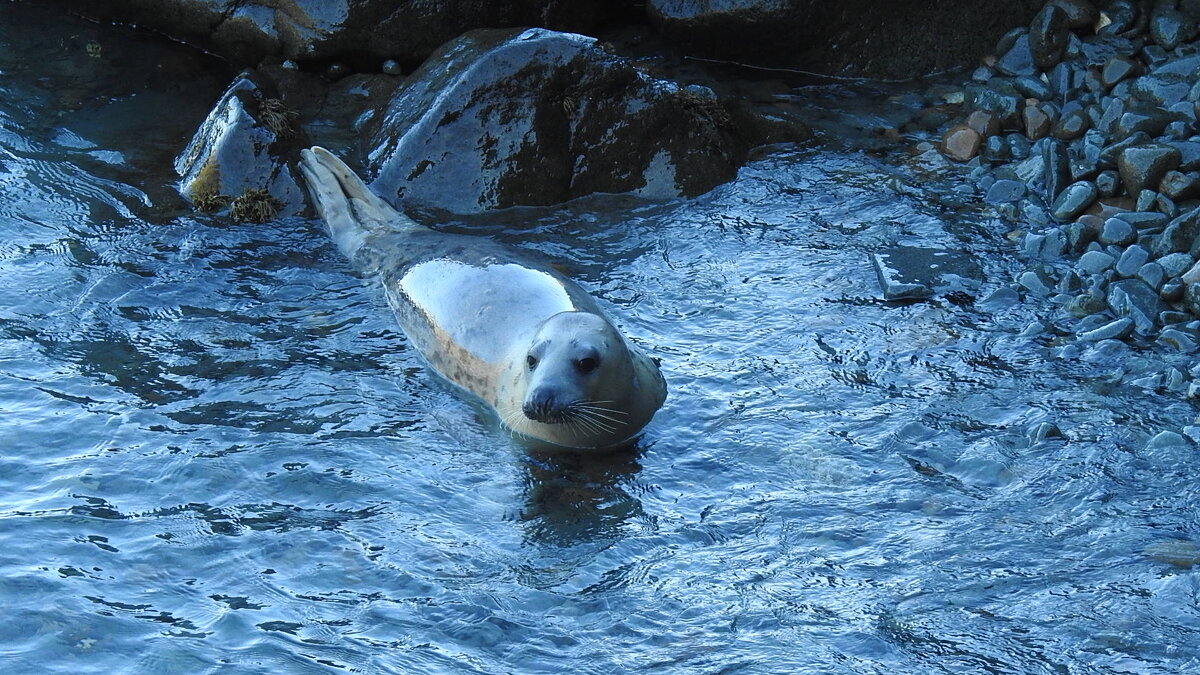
219 454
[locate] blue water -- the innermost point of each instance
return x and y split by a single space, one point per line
218 453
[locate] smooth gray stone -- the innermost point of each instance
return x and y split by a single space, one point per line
1118 232
1175 264
1073 200
1133 299
1179 340
1167 439
1094 262
1131 260
909 272
1005 191
1114 330
1152 273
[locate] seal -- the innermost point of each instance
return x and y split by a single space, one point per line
494 321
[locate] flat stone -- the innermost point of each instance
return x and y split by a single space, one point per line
1085 305
1073 200
1035 281
1110 153
1189 155
1150 121
1160 89
1133 299
1131 260
1114 330
1192 276
1118 68
1167 439
1094 262
1145 200
960 143
983 122
1176 264
1144 220
909 272
1032 87
1118 232
1005 191
1143 166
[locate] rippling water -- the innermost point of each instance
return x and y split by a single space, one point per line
218 453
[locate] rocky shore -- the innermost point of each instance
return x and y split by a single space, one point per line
1081 130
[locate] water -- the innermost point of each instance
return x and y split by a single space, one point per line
218 454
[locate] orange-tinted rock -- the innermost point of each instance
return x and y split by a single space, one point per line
961 143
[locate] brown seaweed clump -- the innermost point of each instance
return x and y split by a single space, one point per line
255 205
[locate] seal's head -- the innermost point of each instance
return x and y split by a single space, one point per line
582 384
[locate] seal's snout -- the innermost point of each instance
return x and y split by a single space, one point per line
542 406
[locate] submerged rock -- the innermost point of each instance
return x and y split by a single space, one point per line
238 154
915 273
501 118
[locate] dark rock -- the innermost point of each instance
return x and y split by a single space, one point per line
1151 121
1018 60
1131 259
1143 166
1082 169
1121 16
1081 14
1061 79
239 149
1191 298
1166 205
984 123
1082 232
1133 299
1192 276
1118 232
995 149
1177 185
1108 183
1056 169
1036 122
1070 125
1113 110
998 98
1146 200
1189 155
1179 235
1110 153
502 118
1170 28
1143 221
1073 200
907 272
1161 89
1118 68
1019 147
362 32
1172 291
960 143
1032 87
1048 36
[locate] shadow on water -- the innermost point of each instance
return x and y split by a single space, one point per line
576 498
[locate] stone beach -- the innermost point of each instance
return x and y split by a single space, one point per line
1081 131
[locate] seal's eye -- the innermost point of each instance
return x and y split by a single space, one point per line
532 361
586 364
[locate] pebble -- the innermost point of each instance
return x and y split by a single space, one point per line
1081 14
1114 330
1152 273
1094 262
1192 276
1107 183
1176 264
1133 299
1071 125
1018 60
1178 340
984 123
1035 282
1178 185
1048 36
1036 122
1036 433
1005 191
1131 260
1166 439
1073 200
1118 232
1170 28
1118 68
1143 166
961 143
392 67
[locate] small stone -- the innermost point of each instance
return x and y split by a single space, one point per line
1131 260
1118 232
1035 282
1167 439
1005 191
1143 166
1032 87
1178 340
1070 125
1094 262
1164 204
1110 153
1073 200
995 149
997 97
1083 231
1069 282
1114 330
1152 273
1018 60
961 143
1144 221
1170 28
1117 18
1176 264
1081 14
1041 431
1150 121
1107 183
1133 299
1145 200
1118 68
392 67
1048 36
1172 317
1192 276
1189 155
1178 185
1036 122
1001 298
1180 234
983 122
1174 291
1085 305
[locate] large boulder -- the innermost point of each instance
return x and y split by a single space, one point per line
902 38
236 160
499 118
363 33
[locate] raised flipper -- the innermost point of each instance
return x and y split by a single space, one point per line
349 208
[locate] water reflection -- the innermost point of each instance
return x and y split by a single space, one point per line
576 498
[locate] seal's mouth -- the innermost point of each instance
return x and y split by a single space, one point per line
545 413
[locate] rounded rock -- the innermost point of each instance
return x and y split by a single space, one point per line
1048 35
1170 28
1075 198
1143 166
1118 232
961 143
